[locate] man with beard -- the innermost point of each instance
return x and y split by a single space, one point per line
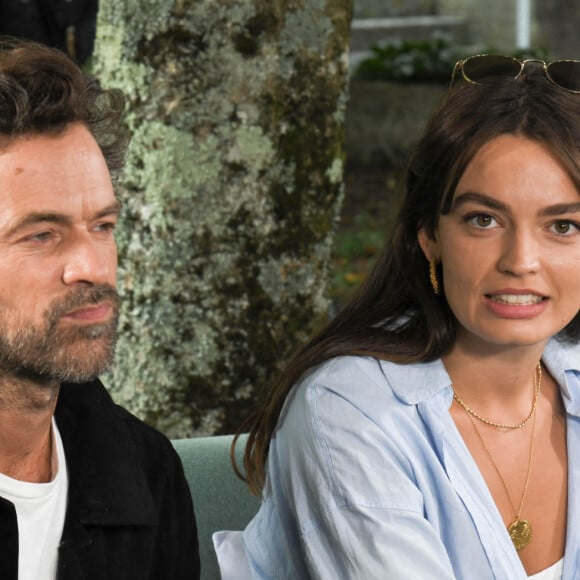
87 491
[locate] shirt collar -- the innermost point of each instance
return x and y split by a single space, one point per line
563 362
417 382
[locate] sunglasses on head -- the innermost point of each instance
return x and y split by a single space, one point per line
484 68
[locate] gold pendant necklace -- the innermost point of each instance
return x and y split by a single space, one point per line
520 530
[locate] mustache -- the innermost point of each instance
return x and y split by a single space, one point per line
81 297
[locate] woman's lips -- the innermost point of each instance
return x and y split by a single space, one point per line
516 304
521 299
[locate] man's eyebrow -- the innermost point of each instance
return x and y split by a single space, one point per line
38 217
112 209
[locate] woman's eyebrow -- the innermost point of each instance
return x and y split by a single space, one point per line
561 208
481 198
490 202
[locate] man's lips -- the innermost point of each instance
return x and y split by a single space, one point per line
91 313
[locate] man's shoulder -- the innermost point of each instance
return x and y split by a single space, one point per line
87 416
145 436
126 476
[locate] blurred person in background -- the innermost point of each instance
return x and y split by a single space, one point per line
69 25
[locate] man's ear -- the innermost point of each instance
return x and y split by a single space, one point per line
428 243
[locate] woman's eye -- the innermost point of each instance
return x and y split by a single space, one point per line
565 228
481 220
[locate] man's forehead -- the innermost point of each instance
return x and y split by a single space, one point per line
64 174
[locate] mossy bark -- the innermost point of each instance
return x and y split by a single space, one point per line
231 195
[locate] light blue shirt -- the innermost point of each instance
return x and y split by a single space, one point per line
370 478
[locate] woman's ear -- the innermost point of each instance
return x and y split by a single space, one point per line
428 243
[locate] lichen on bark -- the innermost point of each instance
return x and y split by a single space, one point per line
231 195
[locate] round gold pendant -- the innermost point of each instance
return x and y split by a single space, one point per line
520 532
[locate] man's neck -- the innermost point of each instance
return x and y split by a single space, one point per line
26 411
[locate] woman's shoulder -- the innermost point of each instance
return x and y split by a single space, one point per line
347 410
352 376
356 392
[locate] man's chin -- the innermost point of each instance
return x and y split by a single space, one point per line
80 361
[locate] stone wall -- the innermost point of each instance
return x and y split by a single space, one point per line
384 120
555 24
558 27
392 8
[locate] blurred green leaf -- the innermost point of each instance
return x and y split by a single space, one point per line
423 61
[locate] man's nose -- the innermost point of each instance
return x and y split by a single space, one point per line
89 260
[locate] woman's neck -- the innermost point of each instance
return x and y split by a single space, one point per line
499 384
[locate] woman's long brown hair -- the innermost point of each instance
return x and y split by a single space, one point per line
395 315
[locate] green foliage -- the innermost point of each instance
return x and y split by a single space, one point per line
539 53
424 61
403 60
356 248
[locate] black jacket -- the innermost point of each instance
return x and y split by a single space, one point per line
129 513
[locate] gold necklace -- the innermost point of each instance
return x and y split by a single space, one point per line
520 530
472 413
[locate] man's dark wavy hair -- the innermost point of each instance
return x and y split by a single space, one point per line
42 91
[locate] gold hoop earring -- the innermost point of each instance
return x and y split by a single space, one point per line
433 275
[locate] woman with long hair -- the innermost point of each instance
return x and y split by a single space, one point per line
432 429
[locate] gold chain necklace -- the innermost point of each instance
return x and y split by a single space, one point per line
520 530
472 413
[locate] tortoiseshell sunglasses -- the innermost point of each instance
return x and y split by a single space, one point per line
482 68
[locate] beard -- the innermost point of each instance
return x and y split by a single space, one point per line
47 352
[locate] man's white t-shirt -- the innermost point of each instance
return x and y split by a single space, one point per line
40 511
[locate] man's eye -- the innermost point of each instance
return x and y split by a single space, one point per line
106 226
40 236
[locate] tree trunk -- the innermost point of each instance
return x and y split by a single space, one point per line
231 195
